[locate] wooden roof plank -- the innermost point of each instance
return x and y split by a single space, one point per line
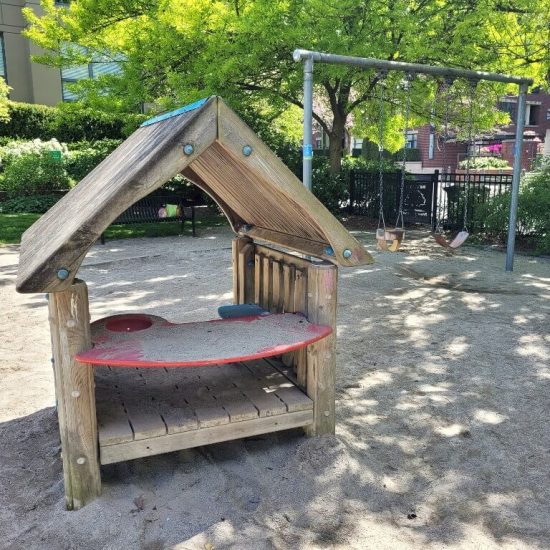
148 158
234 134
282 208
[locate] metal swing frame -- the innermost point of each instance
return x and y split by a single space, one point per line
310 57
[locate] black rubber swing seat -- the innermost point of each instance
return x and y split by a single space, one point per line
390 240
457 241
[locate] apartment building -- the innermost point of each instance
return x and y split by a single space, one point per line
32 82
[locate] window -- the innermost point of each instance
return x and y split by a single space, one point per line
95 69
548 114
2 58
431 146
411 140
531 114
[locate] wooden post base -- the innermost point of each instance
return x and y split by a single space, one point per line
74 387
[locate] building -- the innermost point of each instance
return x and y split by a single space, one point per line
32 82
499 144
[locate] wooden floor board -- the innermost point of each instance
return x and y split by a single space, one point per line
150 411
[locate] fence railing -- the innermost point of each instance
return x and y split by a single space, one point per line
455 194
430 199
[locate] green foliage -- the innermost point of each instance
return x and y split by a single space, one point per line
18 148
4 91
368 165
28 121
32 174
12 226
533 210
481 163
330 189
31 203
411 155
176 51
66 123
74 123
84 156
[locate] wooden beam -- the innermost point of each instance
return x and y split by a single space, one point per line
204 436
246 274
74 387
147 159
305 246
321 356
263 164
239 274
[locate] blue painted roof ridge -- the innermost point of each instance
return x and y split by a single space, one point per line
176 112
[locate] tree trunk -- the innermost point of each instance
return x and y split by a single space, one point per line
335 147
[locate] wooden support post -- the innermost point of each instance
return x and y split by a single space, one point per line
321 356
243 272
74 387
300 306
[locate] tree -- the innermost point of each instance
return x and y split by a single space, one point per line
4 105
179 50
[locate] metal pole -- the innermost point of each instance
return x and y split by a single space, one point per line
369 62
307 157
520 125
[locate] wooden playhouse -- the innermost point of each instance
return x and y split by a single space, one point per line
121 386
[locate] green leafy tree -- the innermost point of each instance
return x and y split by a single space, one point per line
4 104
176 51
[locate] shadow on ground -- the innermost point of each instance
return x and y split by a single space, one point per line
442 437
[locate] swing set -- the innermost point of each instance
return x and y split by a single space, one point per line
390 239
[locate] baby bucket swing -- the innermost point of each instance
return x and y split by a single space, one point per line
460 238
390 240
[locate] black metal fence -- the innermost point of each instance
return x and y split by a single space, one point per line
455 195
429 199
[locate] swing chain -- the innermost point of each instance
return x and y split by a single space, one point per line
448 82
472 95
381 130
409 77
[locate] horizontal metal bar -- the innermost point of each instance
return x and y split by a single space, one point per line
370 62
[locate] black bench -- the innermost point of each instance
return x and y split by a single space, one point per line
158 208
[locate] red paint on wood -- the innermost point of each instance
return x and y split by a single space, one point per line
165 344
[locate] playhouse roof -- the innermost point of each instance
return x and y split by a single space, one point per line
259 195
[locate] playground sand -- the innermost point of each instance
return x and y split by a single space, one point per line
442 434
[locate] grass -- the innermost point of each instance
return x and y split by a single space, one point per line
12 226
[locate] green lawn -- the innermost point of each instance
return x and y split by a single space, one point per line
12 227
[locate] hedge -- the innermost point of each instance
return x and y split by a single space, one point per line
66 124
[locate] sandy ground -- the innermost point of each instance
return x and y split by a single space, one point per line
442 438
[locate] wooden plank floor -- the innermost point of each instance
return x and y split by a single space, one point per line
142 412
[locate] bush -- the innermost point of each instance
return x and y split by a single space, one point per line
15 149
83 158
34 173
481 163
411 155
331 190
28 121
66 123
533 210
76 123
30 204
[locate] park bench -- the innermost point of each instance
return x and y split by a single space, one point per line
161 208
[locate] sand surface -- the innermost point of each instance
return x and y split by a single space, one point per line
208 342
443 432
